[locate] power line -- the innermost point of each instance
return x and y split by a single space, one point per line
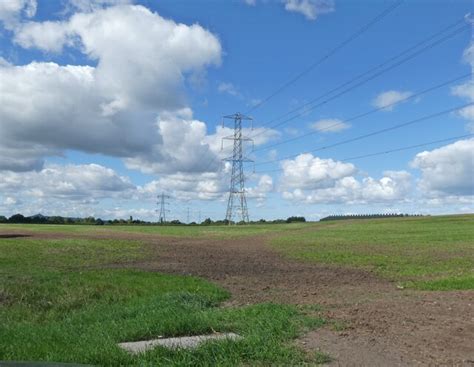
377 132
400 62
354 36
307 106
393 58
356 117
389 151
358 33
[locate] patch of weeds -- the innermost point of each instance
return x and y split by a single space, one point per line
310 308
338 325
322 358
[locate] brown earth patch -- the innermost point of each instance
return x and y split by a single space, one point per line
13 235
383 325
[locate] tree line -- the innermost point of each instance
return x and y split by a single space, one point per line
367 216
42 219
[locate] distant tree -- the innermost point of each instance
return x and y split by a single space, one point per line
207 222
99 222
3 219
279 221
366 216
89 220
295 219
17 218
56 220
38 219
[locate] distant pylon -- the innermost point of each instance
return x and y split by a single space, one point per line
162 203
237 179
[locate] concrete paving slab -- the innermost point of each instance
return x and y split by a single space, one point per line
186 342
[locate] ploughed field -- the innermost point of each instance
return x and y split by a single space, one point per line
397 291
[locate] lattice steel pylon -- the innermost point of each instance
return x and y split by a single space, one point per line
237 202
162 203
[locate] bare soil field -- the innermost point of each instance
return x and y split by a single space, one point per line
372 321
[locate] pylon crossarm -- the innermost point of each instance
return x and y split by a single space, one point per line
237 160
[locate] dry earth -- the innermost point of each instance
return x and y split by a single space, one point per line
373 323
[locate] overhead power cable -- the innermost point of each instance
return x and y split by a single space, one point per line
427 47
387 151
356 117
309 107
354 36
333 51
389 60
377 132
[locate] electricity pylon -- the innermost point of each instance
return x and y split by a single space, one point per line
237 202
162 203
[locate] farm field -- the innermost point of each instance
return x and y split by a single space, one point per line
395 291
173 231
433 253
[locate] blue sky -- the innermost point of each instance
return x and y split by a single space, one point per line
107 103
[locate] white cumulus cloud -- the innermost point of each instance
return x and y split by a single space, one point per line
448 170
466 90
228 88
72 182
308 172
118 107
11 11
330 125
260 191
311 179
189 186
311 9
387 100
92 5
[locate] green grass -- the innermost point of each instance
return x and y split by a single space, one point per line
66 301
430 253
69 300
166 230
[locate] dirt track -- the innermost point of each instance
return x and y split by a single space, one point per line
384 326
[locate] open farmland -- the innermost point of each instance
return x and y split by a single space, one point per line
394 291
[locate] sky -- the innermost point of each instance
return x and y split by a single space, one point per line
105 104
